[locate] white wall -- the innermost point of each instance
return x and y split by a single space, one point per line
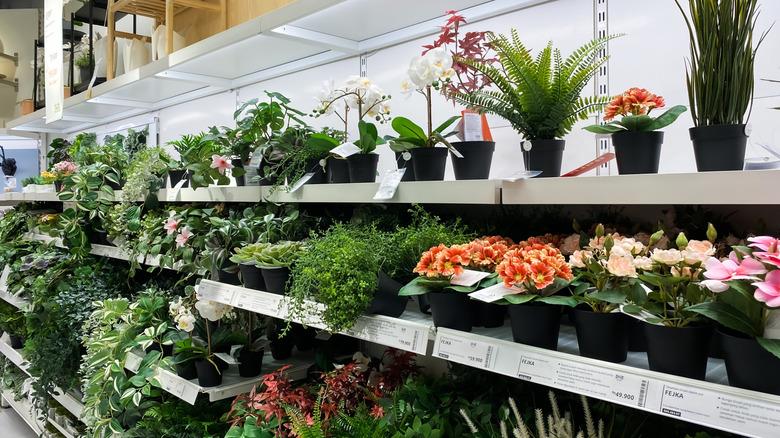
651 55
18 30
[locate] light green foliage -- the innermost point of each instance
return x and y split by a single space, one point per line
281 254
145 175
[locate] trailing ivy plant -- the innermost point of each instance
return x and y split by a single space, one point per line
145 175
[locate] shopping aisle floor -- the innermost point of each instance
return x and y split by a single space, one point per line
12 425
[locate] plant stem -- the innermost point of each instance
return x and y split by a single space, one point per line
430 117
208 336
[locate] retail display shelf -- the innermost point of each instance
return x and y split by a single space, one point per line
24 409
410 333
232 384
16 301
60 429
303 34
710 403
757 187
68 401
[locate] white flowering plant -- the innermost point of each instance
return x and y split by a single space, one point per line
607 270
673 280
358 94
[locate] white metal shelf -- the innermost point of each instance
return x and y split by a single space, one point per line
232 384
60 429
303 34
410 333
24 410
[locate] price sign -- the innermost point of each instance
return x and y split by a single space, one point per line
465 351
177 386
298 184
397 335
389 184
132 362
4 277
345 150
468 277
172 194
494 293
215 292
259 302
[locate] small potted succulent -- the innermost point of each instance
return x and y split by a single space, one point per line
535 272
607 272
364 96
747 288
266 266
636 137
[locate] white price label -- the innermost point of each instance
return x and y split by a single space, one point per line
472 127
468 278
215 292
465 351
301 181
523 174
494 293
345 150
133 361
228 359
177 386
172 194
392 334
259 302
389 184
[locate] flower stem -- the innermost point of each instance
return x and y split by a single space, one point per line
430 117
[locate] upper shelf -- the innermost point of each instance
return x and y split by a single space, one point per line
301 35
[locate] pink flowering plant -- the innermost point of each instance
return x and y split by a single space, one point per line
747 284
673 278
207 161
607 270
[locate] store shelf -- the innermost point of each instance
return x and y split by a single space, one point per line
16 301
60 429
24 409
232 384
303 34
410 333
68 401
714 188
708 403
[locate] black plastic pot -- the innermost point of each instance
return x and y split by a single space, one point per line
115 186
98 237
238 164
275 279
166 350
226 277
602 336
476 161
424 304
637 152
16 342
487 314
58 186
451 310
337 170
186 370
362 167
678 351
749 365
386 300
305 337
85 73
637 341
545 155
177 175
319 177
250 363
719 147
535 324
265 180
401 164
251 276
208 374
281 347
429 163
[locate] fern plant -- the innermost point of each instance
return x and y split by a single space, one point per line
541 96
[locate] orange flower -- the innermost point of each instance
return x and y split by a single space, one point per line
542 274
427 264
634 101
441 261
533 267
487 252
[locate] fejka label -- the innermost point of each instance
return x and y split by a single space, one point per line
472 126
469 277
133 361
177 386
389 184
494 293
216 292
465 351
4 278
345 150
258 302
392 334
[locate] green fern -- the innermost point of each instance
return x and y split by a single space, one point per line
540 97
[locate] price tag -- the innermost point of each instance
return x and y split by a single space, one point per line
228 359
177 386
472 127
345 150
523 174
172 194
468 278
389 184
259 302
133 361
470 352
392 334
210 291
298 184
494 293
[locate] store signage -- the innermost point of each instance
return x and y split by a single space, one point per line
52 40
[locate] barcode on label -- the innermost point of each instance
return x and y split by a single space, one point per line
642 394
444 355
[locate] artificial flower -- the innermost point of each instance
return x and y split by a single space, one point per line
570 244
171 225
533 267
221 163
768 291
212 310
770 249
667 257
621 266
65 168
643 263
579 257
186 322
184 235
633 102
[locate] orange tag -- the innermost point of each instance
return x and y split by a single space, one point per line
473 126
591 164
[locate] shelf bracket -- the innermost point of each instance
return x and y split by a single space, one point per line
196 78
101 100
338 44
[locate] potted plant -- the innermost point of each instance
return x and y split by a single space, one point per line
428 162
720 79
250 353
271 261
485 253
535 272
606 272
361 94
209 373
636 137
747 287
224 235
86 65
302 151
185 349
177 170
145 175
678 338
476 156
205 160
545 105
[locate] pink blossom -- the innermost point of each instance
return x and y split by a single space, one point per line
770 249
221 163
183 237
732 269
171 225
768 291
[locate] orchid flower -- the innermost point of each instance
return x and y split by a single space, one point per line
768 291
221 163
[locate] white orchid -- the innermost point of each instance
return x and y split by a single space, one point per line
435 66
212 310
186 321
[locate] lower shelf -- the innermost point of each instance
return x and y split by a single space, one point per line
24 410
61 429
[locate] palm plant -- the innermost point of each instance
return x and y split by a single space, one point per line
720 70
539 96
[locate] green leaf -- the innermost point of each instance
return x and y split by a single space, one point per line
520 298
447 123
770 345
609 128
406 128
559 300
612 296
422 285
667 118
637 123
726 315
